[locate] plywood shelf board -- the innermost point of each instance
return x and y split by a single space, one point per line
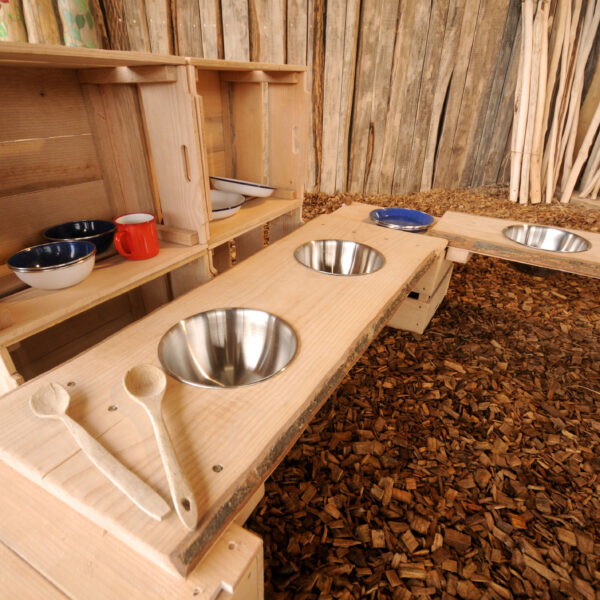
254 212
483 235
234 65
48 55
247 430
33 310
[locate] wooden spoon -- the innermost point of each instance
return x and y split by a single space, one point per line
51 402
146 385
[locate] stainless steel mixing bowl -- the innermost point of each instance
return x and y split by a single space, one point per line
339 257
227 347
542 237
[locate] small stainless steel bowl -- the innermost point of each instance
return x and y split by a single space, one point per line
339 257
227 347
542 237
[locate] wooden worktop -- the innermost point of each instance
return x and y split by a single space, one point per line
483 235
245 430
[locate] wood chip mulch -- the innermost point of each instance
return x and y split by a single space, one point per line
461 463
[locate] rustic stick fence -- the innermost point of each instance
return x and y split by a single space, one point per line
406 95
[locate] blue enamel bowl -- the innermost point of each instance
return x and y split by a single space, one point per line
99 232
55 265
405 219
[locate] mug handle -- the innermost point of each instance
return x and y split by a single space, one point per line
119 240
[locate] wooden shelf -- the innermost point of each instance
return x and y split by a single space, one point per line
33 310
253 213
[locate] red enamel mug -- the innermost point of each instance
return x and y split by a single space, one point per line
136 236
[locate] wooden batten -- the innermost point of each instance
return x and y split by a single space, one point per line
275 77
147 74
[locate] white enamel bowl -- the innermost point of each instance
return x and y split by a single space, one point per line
55 265
239 186
225 204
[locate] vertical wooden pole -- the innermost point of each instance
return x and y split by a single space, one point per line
522 100
539 130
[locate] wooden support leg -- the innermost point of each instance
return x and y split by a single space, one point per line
155 293
459 255
285 224
249 243
249 507
189 276
9 378
415 314
221 258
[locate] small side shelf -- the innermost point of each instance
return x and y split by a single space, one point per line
34 310
253 213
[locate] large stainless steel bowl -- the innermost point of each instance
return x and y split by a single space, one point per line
227 347
339 257
542 237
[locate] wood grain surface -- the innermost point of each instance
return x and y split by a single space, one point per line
245 430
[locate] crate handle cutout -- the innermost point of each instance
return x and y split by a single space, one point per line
186 162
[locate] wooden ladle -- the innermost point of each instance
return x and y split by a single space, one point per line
51 402
146 385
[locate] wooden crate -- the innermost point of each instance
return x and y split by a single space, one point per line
254 119
77 142
94 133
415 313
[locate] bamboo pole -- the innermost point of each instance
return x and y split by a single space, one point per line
596 187
581 157
561 18
531 110
591 166
587 34
593 162
522 100
552 140
539 131
573 47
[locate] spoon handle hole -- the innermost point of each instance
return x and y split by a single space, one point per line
186 504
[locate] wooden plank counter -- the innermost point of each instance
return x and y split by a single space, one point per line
228 440
483 235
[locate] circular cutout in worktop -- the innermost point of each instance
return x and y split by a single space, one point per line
227 348
404 219
542 237
339 257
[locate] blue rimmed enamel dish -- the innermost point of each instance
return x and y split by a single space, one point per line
404 219
55 265
100 233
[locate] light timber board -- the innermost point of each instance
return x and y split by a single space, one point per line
483 235
246 430
34 310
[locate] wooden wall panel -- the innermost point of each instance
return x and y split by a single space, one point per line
340 57
378 22
53 95
405 95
